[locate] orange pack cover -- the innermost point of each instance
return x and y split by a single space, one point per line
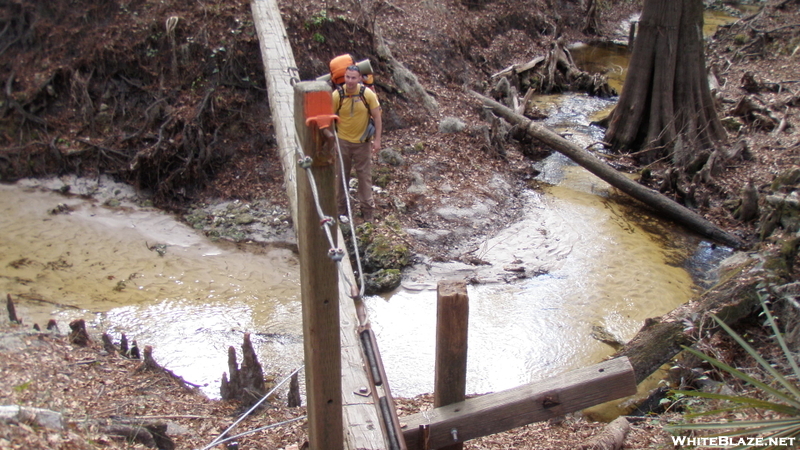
338 66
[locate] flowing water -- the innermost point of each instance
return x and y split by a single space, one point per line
591 263
188 297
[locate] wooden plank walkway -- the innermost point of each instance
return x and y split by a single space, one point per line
362 425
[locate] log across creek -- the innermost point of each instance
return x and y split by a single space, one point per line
661 204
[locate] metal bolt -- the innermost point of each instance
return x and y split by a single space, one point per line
454 433
306 162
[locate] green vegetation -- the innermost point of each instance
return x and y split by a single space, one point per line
23 386
782 396
318 19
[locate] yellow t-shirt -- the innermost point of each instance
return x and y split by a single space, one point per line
353 114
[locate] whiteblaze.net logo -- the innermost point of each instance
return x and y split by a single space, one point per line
729 441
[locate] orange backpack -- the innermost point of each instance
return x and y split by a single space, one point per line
339 65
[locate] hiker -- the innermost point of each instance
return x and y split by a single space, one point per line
358 138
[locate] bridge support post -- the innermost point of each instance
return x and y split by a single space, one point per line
452 325
318 271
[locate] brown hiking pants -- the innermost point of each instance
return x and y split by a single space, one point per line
359 157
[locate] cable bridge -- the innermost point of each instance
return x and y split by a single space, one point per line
350 405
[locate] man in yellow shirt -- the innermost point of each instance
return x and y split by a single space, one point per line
358 138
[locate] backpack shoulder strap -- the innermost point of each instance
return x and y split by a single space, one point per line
364 98
341 97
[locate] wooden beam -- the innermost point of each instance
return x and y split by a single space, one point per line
362 427
318 275
532 402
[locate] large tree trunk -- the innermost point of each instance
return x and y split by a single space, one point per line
666 105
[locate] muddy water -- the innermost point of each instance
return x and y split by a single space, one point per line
591 264
190 303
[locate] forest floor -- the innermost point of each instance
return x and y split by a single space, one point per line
92 387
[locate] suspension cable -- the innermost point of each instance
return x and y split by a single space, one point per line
219 438
335 253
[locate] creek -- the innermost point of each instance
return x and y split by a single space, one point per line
594 264
128 269
590 262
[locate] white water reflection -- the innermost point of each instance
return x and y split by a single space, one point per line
596 267
590 262
190 304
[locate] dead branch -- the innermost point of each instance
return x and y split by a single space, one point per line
12 311
148 433
149 364
611 438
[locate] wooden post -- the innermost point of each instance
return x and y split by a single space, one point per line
318 272
452 318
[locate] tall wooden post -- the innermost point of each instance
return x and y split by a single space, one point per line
318 272
452 318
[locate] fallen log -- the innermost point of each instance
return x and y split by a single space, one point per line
663 205
611 438
150 433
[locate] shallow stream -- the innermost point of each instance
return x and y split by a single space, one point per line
133 270
588 263
591 264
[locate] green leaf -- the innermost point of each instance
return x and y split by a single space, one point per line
744 377
24 386
743 428
748 401
779 338
767 366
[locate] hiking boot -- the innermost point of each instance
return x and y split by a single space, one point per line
368 215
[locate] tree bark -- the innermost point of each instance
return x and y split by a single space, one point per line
246 383
12 311
611 438
590 25
663 205
78 335
666 106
